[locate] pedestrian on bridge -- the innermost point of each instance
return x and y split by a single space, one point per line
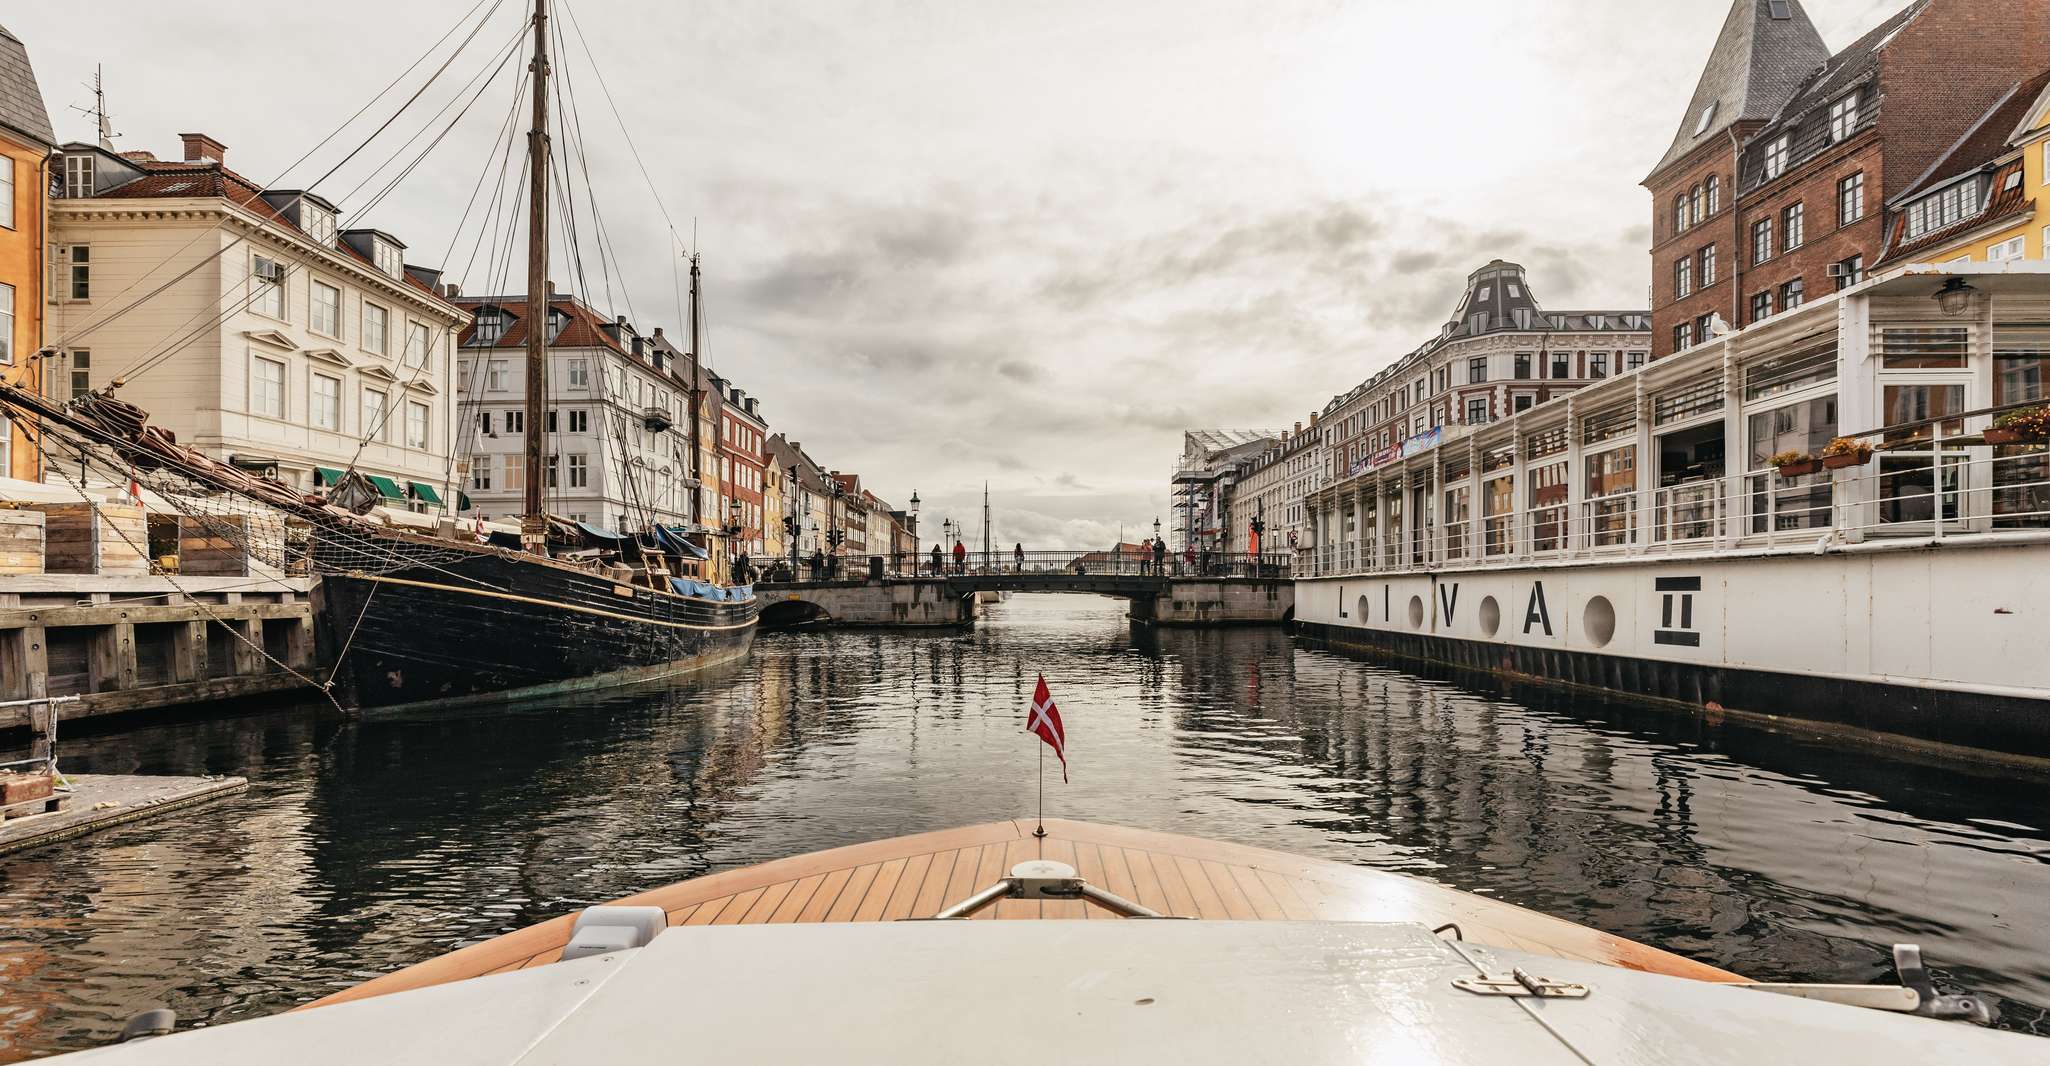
939 565
1159 557
960 557
1018 554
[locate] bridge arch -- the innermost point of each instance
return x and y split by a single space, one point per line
792 613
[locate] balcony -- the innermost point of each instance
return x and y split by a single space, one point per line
656 418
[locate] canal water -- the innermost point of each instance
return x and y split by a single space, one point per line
365 846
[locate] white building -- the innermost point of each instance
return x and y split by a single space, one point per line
1203 480
619 416
248 322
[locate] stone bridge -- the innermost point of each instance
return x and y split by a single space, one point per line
953 599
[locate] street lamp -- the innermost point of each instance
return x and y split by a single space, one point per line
1954 298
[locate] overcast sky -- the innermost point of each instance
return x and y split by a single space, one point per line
959 240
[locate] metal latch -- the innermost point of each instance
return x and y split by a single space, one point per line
1520 982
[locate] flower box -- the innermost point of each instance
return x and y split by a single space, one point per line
2004 436
1847 459
1799 468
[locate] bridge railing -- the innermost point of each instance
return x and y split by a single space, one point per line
1100 563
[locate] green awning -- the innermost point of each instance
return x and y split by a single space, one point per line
387 487
463 501
424 491
325 476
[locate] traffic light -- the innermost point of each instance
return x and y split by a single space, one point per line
1259 525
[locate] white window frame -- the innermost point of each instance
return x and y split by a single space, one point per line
480 472
417 434
386 257
78 175
277 406
6 334
424 358
7 202
314 306
332 424
579 420
317 222
1776 156
2011 248
495 375
268 304
67 269
376 341
579 373
1843 116
372 407
579 469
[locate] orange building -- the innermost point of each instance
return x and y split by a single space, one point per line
26 141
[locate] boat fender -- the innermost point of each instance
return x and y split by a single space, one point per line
158 1021
602 930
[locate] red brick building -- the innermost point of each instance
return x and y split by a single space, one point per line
1772 191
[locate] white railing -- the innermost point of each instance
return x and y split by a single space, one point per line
1893 495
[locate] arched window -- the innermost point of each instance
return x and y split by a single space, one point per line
1715 195
1679 212
1694 206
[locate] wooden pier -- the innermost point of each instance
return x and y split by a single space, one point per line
103 801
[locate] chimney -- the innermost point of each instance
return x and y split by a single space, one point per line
658 333
199 146
452 290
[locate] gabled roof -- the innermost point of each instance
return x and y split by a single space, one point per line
585 329
1757 63
21 100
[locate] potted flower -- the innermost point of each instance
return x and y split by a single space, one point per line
1844 451
2023 424
1794 464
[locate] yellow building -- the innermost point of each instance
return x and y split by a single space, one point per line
26 141
1988 198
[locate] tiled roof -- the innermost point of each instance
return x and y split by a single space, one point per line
21 101
2005 205
1757 63
1843 70
586 328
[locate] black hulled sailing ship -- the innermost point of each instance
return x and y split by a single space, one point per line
407 618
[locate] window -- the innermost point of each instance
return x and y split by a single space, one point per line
515 471
1843 116
554 471
1790 295
7 201
78 175
1761 240
1486 291
1683 276
1522 402
1562 364
418 338
1597 364
1708 266
1850 272
579 471
580 373
1780 9
1476 411
267 280
1791 227
267 387
491 323
1522 366
327 402
324 308
1923 347
1776 157
1944 207
480 471
494 375
1850 199
1694 215
71 272
1477 370
1683 336
416 424
551 420
1707 116
1786 373
1715 190
579 421
484 422
1679 212
81 373
372 414
317 221
1761 305
516 420
376 329
2007 249
386 256
6 330
1633 360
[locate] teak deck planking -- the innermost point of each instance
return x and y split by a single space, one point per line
915 876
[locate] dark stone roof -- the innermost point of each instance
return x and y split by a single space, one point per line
1843 70
1757 64
21 102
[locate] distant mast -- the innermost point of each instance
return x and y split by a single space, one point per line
534 521
696 396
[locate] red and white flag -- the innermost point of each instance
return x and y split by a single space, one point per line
135 492
1046 721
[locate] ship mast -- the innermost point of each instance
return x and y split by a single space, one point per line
534 520
696 476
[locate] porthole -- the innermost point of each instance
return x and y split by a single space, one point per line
1364 614
1416 612
1598 621
1491 616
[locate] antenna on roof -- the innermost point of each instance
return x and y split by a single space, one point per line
104 127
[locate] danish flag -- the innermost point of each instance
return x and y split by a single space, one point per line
1046 721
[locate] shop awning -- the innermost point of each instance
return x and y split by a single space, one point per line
463 501
424 491
388 488
324 476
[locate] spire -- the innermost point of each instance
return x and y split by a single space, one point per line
1764 51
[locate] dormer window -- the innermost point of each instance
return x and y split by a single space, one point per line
1707 116
557 322
1843 116
386 256
318 222
1776 156
78 175
491 324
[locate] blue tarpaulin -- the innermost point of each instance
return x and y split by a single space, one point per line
671 538
705 591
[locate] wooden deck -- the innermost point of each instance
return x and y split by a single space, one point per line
916 876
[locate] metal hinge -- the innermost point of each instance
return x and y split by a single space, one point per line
1520 982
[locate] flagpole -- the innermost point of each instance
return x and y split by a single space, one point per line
1040 831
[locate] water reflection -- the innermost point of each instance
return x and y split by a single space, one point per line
365 846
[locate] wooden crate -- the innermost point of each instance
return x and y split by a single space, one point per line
21 542
204 549
93 538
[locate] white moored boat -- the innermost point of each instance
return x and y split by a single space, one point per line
1288 960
